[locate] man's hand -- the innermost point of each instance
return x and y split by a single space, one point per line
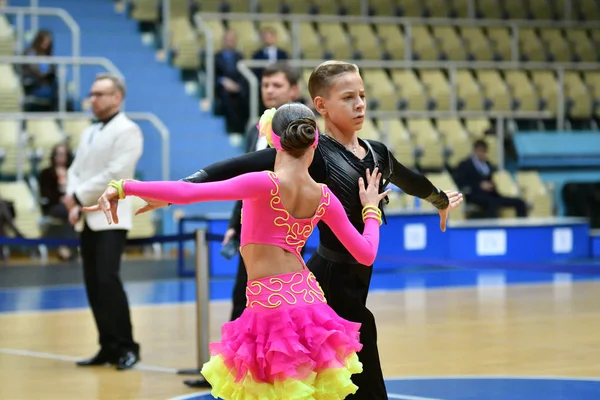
487 186
74 215
69 201
150 205
228 236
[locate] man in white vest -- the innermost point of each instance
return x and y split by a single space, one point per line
108 150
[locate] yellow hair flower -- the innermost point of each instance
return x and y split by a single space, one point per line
264 125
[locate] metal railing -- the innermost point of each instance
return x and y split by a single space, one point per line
244 66
140 116
62 62
35 11
253 6
501 117
294 21
209 59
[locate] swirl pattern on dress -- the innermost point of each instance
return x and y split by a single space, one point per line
289 289
298 232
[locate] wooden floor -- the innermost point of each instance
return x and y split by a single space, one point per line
536 330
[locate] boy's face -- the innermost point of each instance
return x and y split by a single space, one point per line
345 104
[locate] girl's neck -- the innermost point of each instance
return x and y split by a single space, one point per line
288 165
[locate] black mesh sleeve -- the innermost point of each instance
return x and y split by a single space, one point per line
232 167
417 185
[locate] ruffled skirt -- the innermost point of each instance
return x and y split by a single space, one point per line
288 344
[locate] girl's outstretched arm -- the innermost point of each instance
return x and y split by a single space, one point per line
241 187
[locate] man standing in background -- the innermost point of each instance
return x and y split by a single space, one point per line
108 150
279 86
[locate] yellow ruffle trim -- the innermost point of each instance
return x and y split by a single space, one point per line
331 384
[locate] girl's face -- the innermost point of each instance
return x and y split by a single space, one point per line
345 104
60 157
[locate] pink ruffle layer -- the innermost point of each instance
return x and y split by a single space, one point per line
286 343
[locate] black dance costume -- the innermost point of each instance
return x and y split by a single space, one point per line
344 281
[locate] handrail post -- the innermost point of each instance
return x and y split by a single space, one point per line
514 48
62 88
209 60
453 89
34 18
253 92
166 26
202 302
560 104
500 134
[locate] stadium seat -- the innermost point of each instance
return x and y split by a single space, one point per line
581 44
424 47
365 42
378 86
44 134
336 41
411 91
145 10
393 41
456 139
592 79
557 45
185 44
501 42
9 144
506 186
310 43
522 90
495 90
10 90
546 85
410 8
468 91
476 43
577 97
451 44
73 128
247 36
27 209
438 87
7 42
535 193
530 46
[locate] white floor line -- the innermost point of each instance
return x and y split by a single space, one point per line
59 357
408 397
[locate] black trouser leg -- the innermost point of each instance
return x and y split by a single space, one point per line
346 288
239 291
101 253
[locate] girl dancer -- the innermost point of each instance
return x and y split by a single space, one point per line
341 158
288 343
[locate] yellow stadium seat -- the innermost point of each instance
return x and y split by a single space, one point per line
478 46
450 42
410 90
336 40
438 87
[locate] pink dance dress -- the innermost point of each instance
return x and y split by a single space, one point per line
288 343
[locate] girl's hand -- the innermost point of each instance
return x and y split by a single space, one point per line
369 194
107 203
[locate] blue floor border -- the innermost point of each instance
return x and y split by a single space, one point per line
479 388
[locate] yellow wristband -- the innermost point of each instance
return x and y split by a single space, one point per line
373 217
119 186
372 209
